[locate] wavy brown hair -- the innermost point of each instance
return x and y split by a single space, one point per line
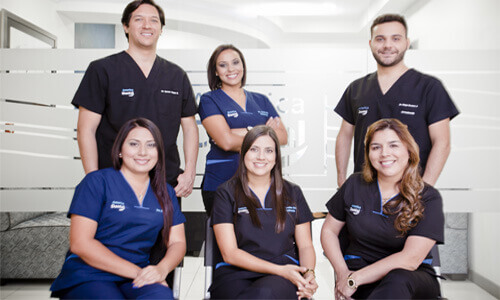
408 206
157 175
278 192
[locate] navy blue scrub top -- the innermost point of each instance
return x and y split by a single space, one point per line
125 227
263 242
372 235
418 100
221 165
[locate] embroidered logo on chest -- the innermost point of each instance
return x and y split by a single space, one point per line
363 110
118 205
263 113
243 210
232 114
128 92
406 108
169 92
355 209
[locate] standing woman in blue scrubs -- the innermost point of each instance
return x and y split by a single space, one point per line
227 113
392 218
116 215
262 225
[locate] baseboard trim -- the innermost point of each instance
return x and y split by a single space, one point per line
485 283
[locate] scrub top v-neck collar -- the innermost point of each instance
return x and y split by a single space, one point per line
263 205
382 203
152 73
244 109
379 89
131 190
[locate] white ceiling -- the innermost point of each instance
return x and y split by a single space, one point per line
256 23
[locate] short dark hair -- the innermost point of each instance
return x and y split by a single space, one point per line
157 175
214 81
389 18
132 6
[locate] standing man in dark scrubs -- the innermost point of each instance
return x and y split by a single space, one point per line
395 91
138 83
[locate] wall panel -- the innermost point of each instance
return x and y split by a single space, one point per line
304 85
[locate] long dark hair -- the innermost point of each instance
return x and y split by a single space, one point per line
408 206
157 174
278 192
214 81
132 6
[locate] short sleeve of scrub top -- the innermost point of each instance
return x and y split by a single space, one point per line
223 208
439 106
89 197
432 224
177 216
344 109
336 204
91 92
304 214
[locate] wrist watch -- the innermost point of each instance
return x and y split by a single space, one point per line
351 282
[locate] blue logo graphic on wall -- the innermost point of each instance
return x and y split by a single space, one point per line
128 92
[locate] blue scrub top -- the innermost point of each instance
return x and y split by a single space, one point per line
221 165
126 227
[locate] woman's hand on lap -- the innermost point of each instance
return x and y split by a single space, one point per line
149 275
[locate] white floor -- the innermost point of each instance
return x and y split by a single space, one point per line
193 278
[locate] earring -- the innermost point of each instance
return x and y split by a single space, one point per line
120 155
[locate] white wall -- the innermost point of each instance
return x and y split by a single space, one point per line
457 25
43 14
467 25
484 244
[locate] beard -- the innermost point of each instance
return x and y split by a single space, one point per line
399 57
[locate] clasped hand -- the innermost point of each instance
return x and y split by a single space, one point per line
306 284
149 275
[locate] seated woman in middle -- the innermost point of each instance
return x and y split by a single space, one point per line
262 226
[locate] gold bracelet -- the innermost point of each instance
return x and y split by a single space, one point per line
309 270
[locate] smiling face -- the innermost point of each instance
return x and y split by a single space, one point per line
144 27
229 68
261 157
139 153
388 155
389 43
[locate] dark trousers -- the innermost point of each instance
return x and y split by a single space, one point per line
401 284
263 287
116 290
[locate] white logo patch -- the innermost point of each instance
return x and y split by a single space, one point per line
169 92
120 206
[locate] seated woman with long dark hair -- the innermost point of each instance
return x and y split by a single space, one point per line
262 226
116 215
393 219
